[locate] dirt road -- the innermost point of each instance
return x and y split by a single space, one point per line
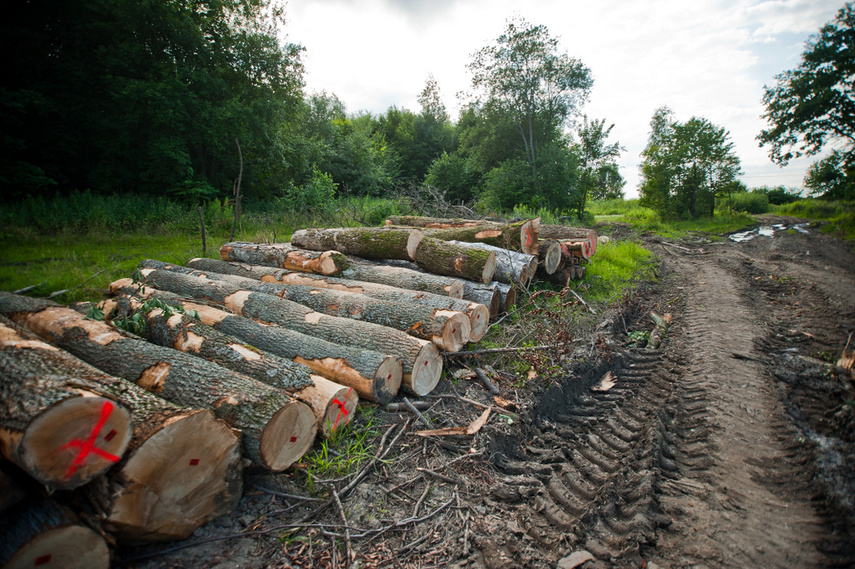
724 448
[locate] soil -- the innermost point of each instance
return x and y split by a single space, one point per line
732 445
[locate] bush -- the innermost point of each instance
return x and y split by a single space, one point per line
750 202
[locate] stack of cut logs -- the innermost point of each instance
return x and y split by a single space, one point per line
247 357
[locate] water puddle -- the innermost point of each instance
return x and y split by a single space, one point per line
767 231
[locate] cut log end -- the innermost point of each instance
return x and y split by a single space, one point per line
288 436
75 440
489 268
479 321
184 475
550 256
455 289
455 333
387 380
72 546
427 369
529 234
415 237
339 411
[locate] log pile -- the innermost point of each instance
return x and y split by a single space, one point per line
244 358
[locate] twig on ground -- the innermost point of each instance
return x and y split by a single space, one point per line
347 547
500 350
485 381
579 298
414 411
30 288
421 499
439 476
284 495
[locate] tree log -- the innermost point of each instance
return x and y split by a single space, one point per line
518 236
60 429
277 430
479 315
367 242
509 295
486 294
211 337
405 278
566 233
445 328
443 258
44 534
549 253
182 468
580 249
285 256
512 267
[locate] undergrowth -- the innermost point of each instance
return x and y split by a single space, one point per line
837 217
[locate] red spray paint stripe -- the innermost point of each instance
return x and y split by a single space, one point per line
341 409
88 447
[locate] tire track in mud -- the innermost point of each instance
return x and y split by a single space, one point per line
689 460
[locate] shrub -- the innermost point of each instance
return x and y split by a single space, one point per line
750 202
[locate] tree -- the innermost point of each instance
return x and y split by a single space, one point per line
146 96
686 165
598 160
523 80
832 178
813 106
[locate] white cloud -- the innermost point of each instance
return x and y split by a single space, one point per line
706 58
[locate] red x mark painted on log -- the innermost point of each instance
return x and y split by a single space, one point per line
88 447
341 409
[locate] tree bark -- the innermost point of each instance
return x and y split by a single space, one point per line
443 258
518 236
512 267
420 358
375 376
509 295
182 468
445 328
478 314
566 233
60 429
367 242
404 278
285 256
549 253
277 430
486 294
42 533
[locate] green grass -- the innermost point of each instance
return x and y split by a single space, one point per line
838 218
346 450
616 267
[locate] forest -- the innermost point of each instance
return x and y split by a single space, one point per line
197 101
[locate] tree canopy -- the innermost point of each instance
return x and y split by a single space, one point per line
813 106
685 165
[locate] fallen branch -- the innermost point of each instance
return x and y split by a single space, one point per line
500 350
415 412
485 381
442 477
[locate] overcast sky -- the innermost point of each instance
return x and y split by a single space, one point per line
706 58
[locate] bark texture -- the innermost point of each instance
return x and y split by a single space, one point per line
486 294
445 328
285 256
45 534
367 242
519 236
512 267
182 467
441 257
264 414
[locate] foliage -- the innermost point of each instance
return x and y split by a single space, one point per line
346 450
686 165
750 202
837 217
144 96
453 175
618 265
832 177
600 178
779 195
526 93
318 191
614 206
814 105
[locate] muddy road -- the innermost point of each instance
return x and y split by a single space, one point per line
733 445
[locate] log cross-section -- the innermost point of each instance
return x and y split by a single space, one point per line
277 430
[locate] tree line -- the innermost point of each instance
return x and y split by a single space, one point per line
187 98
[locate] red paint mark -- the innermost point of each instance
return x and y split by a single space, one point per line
425 363
88 447
293 439
528 238
341 409
388 377
194 462
109 436
44 559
